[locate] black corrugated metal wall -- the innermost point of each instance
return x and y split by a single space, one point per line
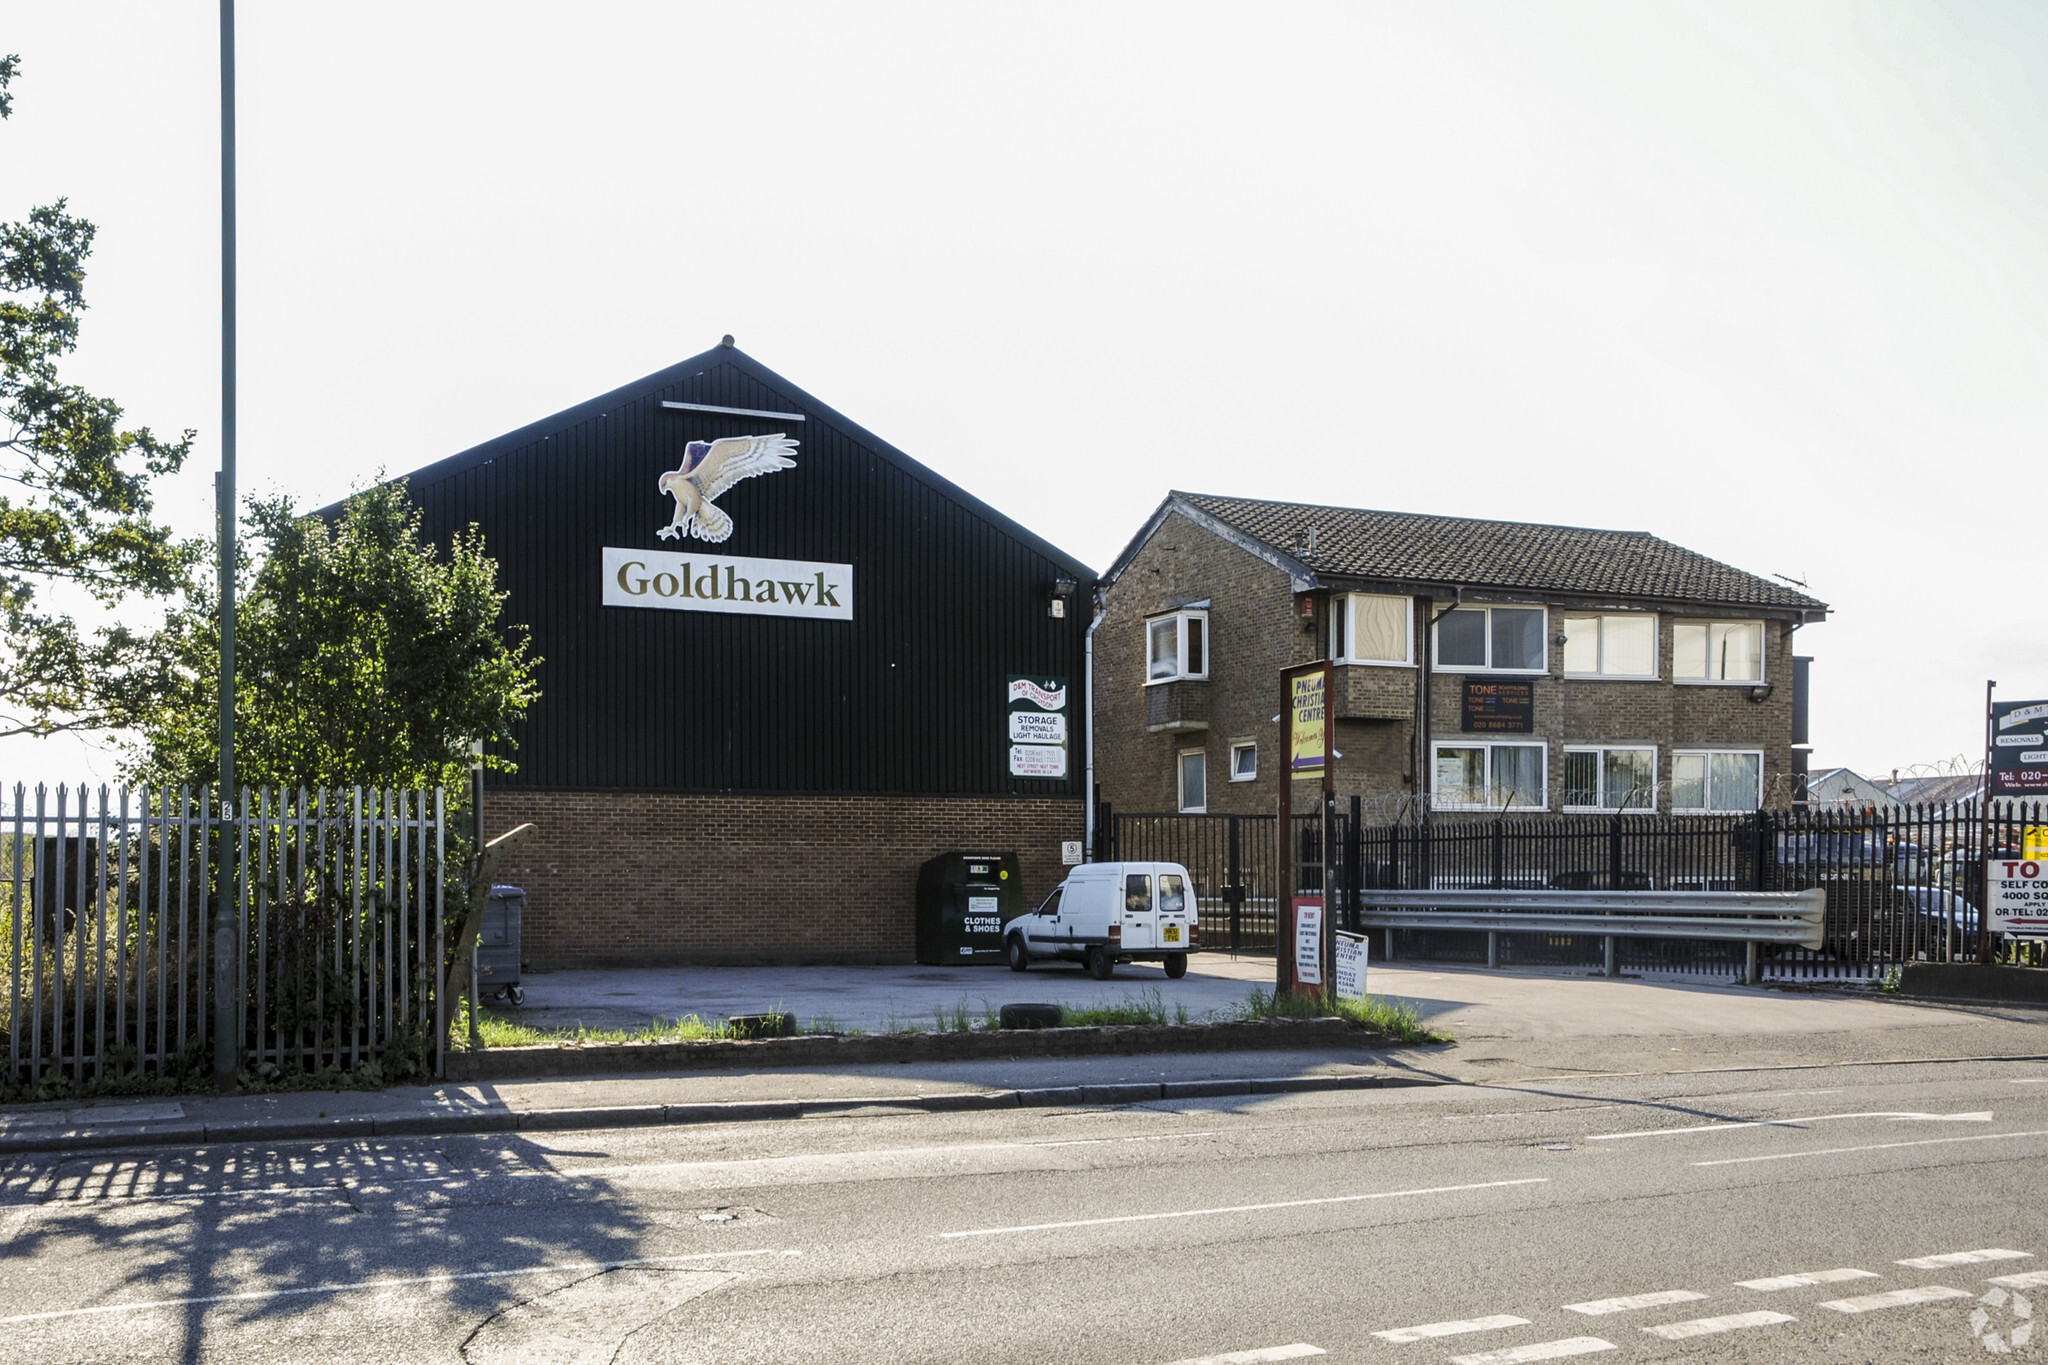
908 697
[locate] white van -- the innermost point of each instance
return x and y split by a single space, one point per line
1106 913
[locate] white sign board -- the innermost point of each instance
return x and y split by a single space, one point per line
1351 954
1038 727
1308 940
2019 897
747 587
1070 852
1038 760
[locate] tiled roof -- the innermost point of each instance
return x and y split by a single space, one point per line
1416 548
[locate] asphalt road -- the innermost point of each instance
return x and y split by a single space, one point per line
1844 1214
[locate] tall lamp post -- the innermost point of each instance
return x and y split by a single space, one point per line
226 959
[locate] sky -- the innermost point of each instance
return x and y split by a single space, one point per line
1767 280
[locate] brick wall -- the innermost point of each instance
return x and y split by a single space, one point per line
655 878
1254 633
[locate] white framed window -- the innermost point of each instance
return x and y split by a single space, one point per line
1717 652
1372 628
1244 761
1474 775
1494 639
1194 781
1704 780
1177 646
1611 777
1618 646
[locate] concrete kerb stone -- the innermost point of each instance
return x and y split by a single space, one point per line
500 1120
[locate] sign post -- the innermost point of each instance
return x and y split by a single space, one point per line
1301 947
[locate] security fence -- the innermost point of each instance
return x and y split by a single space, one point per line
338 916
1902 885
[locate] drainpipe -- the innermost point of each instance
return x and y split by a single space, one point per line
1088 723
1425 750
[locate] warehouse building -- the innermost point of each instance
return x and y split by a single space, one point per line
784 664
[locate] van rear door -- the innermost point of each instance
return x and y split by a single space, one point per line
1176 912
1141 915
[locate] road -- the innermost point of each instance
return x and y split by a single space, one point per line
1831 1214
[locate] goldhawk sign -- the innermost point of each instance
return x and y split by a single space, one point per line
725 583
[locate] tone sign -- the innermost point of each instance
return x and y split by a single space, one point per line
1351 955
1499 708
1038 726
746 587
2019 890
1307 745
1308 940
2019 748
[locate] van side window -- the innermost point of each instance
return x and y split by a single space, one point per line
1052 902
1172 896
1137 893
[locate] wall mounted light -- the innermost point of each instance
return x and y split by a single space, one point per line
1761 692
1058 595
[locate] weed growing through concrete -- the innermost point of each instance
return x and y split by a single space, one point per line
1148 1009
1397 1019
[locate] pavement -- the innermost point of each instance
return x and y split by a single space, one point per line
1508 1026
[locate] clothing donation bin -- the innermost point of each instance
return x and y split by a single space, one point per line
963 902
497 952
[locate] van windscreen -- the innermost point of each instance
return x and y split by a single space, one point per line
1172 895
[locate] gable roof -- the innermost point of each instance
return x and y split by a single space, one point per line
1319 544
664 382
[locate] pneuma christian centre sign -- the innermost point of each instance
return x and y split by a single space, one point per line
753 587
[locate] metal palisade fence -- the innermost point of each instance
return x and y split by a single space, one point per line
339 913
1903 884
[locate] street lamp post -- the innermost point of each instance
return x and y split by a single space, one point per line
227 973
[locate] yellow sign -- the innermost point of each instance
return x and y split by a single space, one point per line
1307 729
2034 844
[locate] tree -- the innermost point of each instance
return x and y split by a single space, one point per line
362 657
79 512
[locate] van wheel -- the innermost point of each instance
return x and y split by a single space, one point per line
1019 958
1100 963
1176 966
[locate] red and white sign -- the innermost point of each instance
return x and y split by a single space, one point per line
2018 896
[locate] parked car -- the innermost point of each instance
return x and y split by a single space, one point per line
1934 909
1106 913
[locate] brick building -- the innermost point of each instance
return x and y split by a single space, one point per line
783 664
1478 664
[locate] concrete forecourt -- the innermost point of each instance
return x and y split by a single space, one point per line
1585 1178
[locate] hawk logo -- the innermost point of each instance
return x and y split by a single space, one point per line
711 467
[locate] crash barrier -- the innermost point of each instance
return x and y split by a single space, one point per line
335 911
1787 918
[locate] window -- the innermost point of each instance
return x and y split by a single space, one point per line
1367 628
1490 776
1717 781
1497 638
1137 893
1717 651
1611 779
1173 895
1611 646
1194 781
1176 646
1244 762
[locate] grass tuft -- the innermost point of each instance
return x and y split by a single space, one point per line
1397 1019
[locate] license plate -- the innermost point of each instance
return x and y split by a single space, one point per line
1173 933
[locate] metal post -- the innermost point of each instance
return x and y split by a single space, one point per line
1492 949
1752 968
1984 842
226 977
1607 948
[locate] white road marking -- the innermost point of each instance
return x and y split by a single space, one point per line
2033 1279
1244 1208
1904 1116
1805 1278
1897 1298
1451 1329
1295 1352
410 1281
1950 1258
1629 1303
1706 1327
1872 1147
1542 1350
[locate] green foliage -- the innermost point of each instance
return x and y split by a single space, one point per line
1399 1020
1147 1009
363 656
79 513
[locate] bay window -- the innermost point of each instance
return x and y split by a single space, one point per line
1480 776
1717 780
1176 646
1717 651
1494 639
1371 628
